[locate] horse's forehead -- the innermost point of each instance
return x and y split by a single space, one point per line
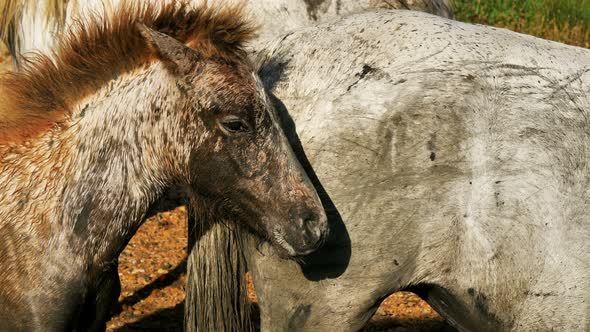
234 74
237 86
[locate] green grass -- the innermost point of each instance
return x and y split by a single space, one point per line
566 21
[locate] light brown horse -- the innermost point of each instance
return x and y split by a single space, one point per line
93 136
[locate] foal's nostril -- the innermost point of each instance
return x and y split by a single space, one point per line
311 226
309 217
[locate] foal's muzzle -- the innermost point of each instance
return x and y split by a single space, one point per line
306 231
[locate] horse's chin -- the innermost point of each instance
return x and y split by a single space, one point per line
282 250
277 246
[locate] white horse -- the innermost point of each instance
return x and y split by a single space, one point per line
452 160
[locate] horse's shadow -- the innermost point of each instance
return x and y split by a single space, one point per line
333 258
171 319
162 282
168 319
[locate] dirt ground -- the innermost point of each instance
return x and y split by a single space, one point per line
153 275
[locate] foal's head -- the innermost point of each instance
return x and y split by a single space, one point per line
220 136
239 159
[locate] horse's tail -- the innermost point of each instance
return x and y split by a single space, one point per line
12 18
216 294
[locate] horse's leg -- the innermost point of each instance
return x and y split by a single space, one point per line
16 316
107 298
101 302
106 289
40 289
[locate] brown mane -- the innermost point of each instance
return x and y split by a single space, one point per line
98 49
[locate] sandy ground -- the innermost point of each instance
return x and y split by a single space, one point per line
152 270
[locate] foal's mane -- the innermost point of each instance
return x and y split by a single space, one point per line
98 49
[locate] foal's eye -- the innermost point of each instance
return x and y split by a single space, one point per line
234 125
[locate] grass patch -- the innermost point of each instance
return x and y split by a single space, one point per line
566 21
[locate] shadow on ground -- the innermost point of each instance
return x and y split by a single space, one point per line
171 319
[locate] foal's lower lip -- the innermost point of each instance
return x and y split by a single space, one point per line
289 249
305 252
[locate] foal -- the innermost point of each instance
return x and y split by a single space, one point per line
91 138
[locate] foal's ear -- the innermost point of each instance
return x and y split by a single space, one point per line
176 55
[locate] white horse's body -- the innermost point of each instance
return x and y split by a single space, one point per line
454 157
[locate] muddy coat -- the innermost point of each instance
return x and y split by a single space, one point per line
453 158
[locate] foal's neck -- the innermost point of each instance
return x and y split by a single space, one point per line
103 171
122 155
